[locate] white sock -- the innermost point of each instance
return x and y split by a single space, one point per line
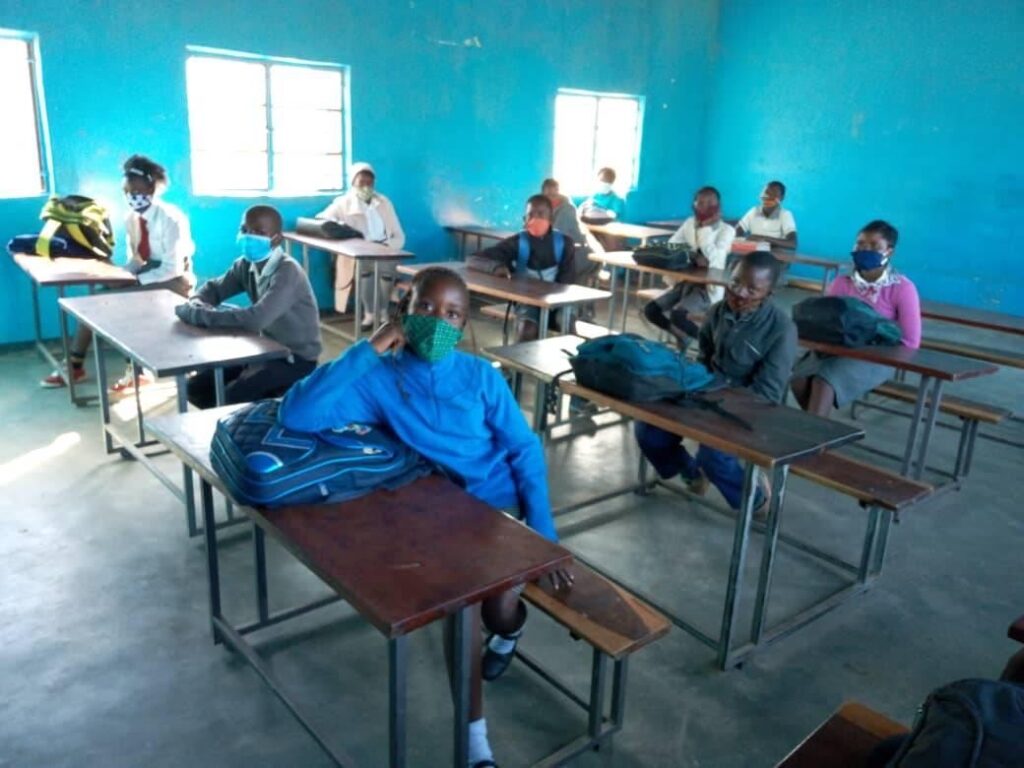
504 643
479 747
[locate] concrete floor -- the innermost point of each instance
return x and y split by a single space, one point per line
106 659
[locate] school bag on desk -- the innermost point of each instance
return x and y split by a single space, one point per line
80 224
669 256
845 322
265 464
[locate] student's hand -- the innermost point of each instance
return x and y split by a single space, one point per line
503 271
562 578
388 337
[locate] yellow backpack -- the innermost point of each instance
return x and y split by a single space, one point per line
77 218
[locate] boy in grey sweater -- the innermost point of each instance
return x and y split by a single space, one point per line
282 308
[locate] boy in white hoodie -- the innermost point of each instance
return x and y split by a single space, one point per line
363 208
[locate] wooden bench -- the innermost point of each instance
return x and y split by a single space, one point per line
977 352
615 624
970 413
845 740
805 284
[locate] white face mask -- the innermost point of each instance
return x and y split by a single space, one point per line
604 187
364 193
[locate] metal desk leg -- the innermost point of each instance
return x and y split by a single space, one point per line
136 373
625 299
611 299
305 258
462 627
771 540
220 398
37 321
598 671
357 281
881 543
739 555
259 552
922 395
101 385
65 344
376 291
542 331
186 481
540 411
870 536
212 562
935 401
397 674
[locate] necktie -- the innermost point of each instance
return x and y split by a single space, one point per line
143 247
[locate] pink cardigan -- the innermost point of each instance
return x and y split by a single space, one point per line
896 301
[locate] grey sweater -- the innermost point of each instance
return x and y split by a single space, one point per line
283 305
755 350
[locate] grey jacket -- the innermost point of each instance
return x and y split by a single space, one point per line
283 306
755 350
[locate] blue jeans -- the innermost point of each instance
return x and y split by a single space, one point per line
666 453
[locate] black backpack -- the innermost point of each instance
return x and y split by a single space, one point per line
967 724
669 256
843 321
327 229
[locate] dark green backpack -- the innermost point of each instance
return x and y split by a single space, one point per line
845 322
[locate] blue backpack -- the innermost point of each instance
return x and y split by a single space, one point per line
265 464
630 367
524 255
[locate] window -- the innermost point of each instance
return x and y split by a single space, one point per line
594 130
23 152
265 125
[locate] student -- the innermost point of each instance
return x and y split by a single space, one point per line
363 208
604 203
160 251
283 308
752 343
551 256
711 240
822 382
769 222
565 217
456 410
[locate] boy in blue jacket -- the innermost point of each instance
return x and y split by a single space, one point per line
456 410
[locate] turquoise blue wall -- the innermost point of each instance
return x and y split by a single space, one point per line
452 101
908 110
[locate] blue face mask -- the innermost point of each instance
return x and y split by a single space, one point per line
254 247
866 261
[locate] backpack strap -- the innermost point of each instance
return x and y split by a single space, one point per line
524 249
50 227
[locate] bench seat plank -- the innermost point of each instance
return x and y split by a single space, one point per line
844 740
864 482
600 612
954 406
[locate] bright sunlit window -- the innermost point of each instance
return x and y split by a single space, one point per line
594 130
23 166
265 125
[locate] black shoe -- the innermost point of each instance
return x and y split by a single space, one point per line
494 664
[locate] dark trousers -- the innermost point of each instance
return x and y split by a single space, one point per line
243 384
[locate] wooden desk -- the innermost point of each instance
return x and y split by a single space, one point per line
935 368
519 289
359 250
845 740
142 326
464 232
974 318
625 260
403 559
672 224
779 437
629 231
62 273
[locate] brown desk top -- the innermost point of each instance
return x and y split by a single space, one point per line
632 231
142 324
782 253
355 247
523 290
844 740
543 359
780 435
672 224
65 271
402 558
692 275
978 318
927 362
493 233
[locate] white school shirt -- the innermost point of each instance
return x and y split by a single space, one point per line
170 243
376 220
780 224
714 241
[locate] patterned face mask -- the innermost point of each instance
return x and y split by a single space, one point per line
139 203
430 337
364 193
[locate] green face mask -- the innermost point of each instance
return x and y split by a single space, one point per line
430 337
